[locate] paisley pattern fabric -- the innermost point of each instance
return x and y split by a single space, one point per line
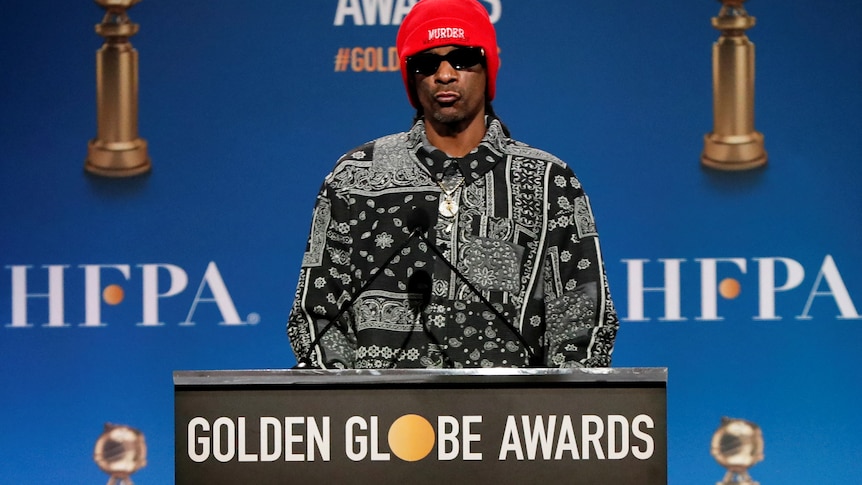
528 286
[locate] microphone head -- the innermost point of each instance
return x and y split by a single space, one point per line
418 220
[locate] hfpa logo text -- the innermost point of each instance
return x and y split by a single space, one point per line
33 288
784 287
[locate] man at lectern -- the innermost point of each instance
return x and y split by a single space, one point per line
452 245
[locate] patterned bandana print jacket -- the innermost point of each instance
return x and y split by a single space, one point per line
523 236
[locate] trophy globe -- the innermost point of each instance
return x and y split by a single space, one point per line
120 451
737 445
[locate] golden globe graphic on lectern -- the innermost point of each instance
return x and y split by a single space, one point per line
733 144
117 150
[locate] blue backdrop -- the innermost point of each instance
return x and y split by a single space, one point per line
246 108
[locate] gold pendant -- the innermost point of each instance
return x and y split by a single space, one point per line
448 205
449 198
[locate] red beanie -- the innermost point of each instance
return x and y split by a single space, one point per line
435 23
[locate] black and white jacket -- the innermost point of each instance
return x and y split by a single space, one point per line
523 236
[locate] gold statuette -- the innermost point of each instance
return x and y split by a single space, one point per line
120 451
117 150
737 445
733 144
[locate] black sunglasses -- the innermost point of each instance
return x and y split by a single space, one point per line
462 58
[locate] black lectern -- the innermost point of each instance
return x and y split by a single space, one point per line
590 426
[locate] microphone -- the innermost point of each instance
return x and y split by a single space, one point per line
418 297
531 356
420 283
416 222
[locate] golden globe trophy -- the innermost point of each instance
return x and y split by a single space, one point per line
737 445
119 452
117 150
734 144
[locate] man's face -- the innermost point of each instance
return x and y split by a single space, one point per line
451 95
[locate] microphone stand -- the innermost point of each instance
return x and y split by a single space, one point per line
419 224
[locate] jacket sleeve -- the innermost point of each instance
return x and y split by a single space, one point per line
324 286
580 321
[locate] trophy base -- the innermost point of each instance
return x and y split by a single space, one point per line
117 159
735 152
120 481
733 478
